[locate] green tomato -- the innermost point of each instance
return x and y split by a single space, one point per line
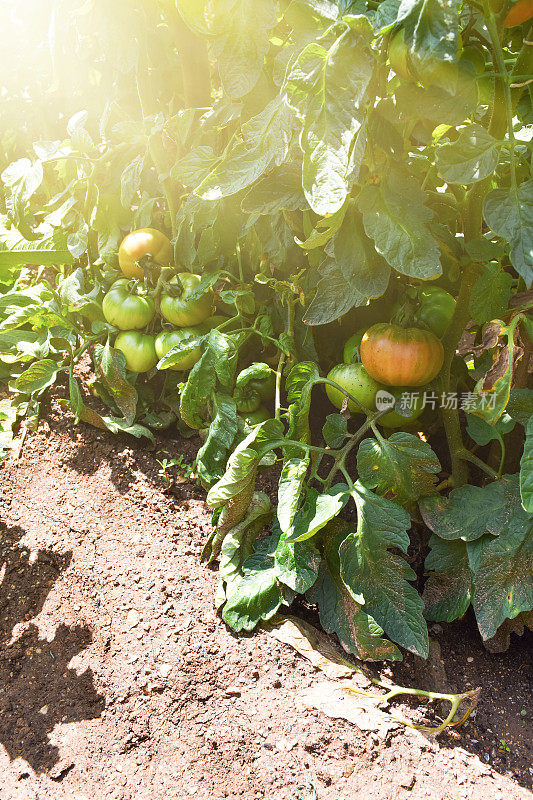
436 309
139 350
407 408
169 339
126 310
356 380
351 348
255 417
181 310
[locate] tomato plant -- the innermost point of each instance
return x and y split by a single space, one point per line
412 186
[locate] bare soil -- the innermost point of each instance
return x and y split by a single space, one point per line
118 681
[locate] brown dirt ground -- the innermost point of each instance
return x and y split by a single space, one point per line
119 681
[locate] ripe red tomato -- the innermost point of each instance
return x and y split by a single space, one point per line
145 241
399 356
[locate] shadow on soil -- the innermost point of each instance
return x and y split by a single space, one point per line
37 689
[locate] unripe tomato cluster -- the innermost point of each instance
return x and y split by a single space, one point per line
131 310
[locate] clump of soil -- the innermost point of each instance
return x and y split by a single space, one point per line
119 681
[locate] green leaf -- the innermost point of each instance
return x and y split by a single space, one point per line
212 456
398 229
299 385
263 143
117 425
187 346
471 158
510 215
402 464
324 229
235 489
21 179
254 596
39 376
490 295
327 86
450 106
111 370
526 470
357 273
297 563
468 513
448 590
130 180
340 614
279 190
431 37
316 511
380 578
502 579
216 366
241 42
15 251
194 166
482 432
289 490
335 430
520 405
237 543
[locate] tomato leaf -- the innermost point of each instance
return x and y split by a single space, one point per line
471 158
111 368
8 418
212 456
333 137
526 469
316 511
335 430
468 513
241 29
402 464
491 292
379 578
256 595
289 490
39 376
265 141
237 543
431 36
510 215
340 613
235 488
503 567
399 231
297 563
448 590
